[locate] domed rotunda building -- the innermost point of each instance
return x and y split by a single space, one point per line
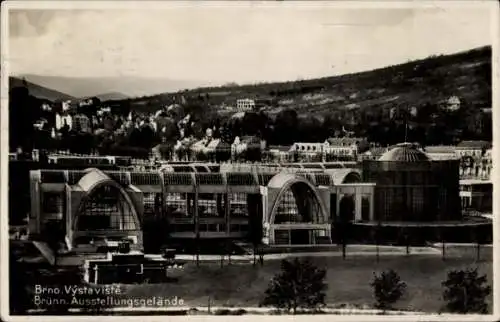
410 187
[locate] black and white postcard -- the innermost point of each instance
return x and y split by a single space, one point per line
279 159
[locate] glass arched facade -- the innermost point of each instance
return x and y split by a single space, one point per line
106 209
298 204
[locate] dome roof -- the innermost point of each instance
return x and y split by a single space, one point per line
404 152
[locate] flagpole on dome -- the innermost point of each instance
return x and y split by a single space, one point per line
406 127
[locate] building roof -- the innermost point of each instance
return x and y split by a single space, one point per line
443 156
474 144
340 176
475 181
283 148
440 149
376 151
250 139
404 152
192 175
92 178
345 141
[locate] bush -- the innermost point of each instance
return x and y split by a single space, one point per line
222 312
387 289
299 285
465 292
239 312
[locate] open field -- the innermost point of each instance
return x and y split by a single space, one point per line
242 285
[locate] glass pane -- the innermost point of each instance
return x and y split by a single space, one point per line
106 209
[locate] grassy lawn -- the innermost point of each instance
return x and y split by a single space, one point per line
348 280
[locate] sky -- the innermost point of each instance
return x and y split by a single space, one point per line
242 42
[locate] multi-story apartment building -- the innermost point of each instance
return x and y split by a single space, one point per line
245 105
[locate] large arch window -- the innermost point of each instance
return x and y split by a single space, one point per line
352 177
106 208
298 204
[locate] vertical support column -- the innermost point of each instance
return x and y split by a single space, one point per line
357 206
227 213
372 205
96 274
337 205
266 232
195 214
36 204
68 233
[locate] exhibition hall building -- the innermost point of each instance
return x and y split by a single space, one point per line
292 206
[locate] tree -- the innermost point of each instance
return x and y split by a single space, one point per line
286 125
24 110
299 285
465 292
387 289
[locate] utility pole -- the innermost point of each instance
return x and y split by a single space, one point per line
406 131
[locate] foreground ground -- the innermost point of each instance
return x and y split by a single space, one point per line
242 285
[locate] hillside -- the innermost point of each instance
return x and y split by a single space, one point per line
465 74
111 96
38 91
129 86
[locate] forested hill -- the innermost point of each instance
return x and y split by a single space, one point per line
466 75
38 91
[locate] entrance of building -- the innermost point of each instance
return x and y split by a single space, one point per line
300 237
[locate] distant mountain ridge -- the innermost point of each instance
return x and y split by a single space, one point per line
466 75
38 91
127 86
111 96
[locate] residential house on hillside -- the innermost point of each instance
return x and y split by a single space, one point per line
345 148
475 149
246 144
278 153
452 103
252 104
245 105
81 123
205 148
62 120
361 144
308 152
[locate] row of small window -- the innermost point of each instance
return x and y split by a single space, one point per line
328 150
308 148
210 228
54 203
